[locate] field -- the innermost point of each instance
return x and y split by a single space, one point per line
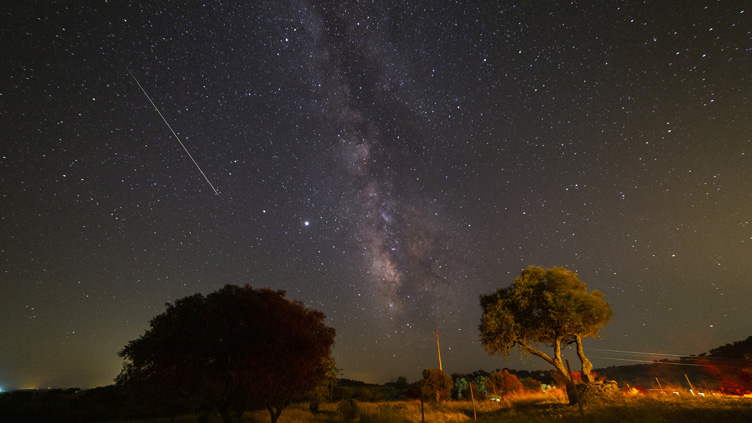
551 407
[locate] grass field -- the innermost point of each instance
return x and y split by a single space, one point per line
551 407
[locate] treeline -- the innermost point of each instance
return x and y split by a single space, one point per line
485 385
66 405
113 402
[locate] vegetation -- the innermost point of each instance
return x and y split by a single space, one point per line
502 383
234 349
230 354
539 408
520 406
436 384
348 409
531 385
725 369
550 307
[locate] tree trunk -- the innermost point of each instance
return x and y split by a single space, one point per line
226 415
587 366
274 413
556 361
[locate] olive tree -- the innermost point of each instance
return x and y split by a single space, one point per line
235 348
549 307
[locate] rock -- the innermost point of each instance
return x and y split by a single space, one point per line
593 391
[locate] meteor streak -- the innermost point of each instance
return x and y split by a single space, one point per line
173 131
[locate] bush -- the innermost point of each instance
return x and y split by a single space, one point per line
314 407
348 409
385 414
532 385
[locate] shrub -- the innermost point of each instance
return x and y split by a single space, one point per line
385 414
348 410
532 385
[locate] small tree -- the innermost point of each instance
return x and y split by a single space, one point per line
550 307
401 383
460 383
436 384
235 348
480 383
477 392
502 383
324 391
531 385
348 409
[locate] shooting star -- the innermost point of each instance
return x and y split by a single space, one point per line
173 131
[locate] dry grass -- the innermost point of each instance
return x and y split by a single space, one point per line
381 412
631 409
542 408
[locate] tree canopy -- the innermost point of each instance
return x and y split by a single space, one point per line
436 384
502 383
235 348
550 307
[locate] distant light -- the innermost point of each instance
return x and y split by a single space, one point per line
306 223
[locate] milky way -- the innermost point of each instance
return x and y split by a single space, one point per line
401 255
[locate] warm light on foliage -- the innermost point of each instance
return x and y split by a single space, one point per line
550 307
436 384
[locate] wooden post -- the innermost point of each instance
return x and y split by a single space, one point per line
438 349
691 389
472 397
659 385
574 386
422 413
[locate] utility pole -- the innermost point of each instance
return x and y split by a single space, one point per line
438 349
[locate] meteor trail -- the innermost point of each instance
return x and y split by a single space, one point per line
173 131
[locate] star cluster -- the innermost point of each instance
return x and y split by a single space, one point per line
383 162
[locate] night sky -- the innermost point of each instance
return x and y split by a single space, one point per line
383 162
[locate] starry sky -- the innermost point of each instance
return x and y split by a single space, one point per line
383 162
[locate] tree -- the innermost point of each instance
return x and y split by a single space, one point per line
436 384
502 383
401 383
235 348
459 386
474 391
324 391
531 385
550 307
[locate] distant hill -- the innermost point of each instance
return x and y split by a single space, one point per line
353 383
740 350
729 366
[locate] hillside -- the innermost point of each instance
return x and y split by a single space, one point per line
728 366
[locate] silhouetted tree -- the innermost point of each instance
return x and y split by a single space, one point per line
235 348
550 307
436 384
401 383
